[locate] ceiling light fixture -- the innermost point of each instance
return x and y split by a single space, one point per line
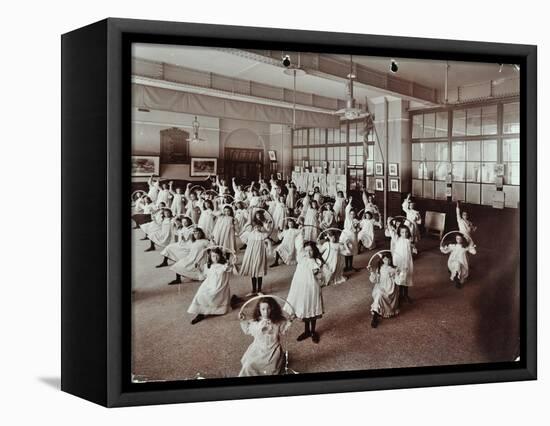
196 126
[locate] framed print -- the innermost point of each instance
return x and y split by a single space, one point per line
170 308
394 185
145 165
204 166
279 176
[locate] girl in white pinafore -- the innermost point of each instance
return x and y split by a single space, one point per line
177 201
311 219
366 234
223 233
291 197
240 195
331 251
458 259
385 294
305 289
163 236
180 248
190 265
207 218
153 189
214 295
348 237
222 187
328 218
465 226
265 355
274 186
402 258
163 195
192 208
413 217
278 212
241 217
340 207
157 216
286 251
254 264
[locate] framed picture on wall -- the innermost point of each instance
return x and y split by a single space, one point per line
145 165
126 362
393 169
203 166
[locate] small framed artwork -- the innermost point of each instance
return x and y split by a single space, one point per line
499 170
279 176
394 184
203 166
379 169
379 184
393 169
145 165
272 156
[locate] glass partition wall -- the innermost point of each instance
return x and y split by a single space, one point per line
462 145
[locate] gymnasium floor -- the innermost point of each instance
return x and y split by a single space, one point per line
443 326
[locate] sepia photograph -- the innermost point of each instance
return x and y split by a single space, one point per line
268 243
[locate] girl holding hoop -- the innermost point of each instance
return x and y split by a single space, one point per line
458 258
265 356
213 296
162 235
366 234
385 294
305 289
328 218
348 237
223 233
402 257
464 224
413 217
286 251
179 249
207 218
192 208
331 250
340 208
189 266
254 262
177 199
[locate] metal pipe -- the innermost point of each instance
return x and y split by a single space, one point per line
386 109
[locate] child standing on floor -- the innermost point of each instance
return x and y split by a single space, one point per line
223 233
402 257
385 294
291 197
265 355
163 195
340 208
458 259
214 295
305 289
277 209
348 237
413 217
311 219
464 225
366 234
207 218
286 251
331 250
177 200
153 189
254 263
328 218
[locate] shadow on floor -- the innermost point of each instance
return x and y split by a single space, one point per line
54 382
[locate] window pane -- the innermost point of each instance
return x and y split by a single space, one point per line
429 151
417 151
489 120
510 118
488 172
370 152
417 126
459 171
473 151
441 171
473 122
489 150
370 168
343 131
473 193
429 125
330 136
416 170
459 122
353 132
510 150
442 123
343 153
473 172
442 151
511 175
459 151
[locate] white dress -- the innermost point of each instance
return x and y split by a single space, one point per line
255 256
328 219
403 261
305 294
179 249
177 203
214 295
414 220
163 197
190 265
291 197
366 234
334 262
278 212
311 223
241 218
458 260
385 294
206 222
223 233
340 209
466 227
348 237
155 224
287 248
265 355
163 236
153 191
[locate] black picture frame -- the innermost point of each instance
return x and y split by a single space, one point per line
95 348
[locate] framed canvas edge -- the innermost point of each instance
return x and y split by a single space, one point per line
116 396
